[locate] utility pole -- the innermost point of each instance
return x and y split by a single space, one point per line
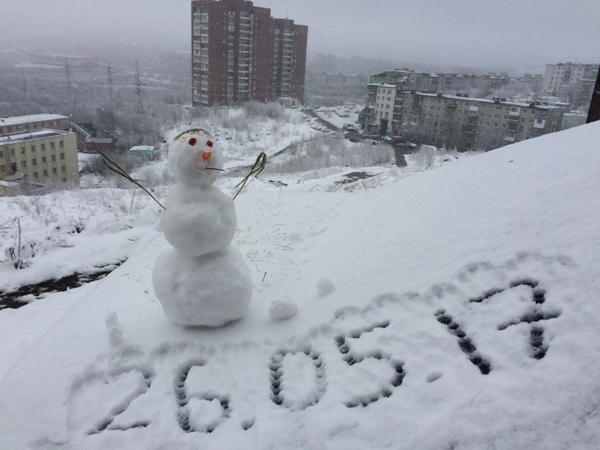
69 85
111 104
110 86
594 111
139 107
25 93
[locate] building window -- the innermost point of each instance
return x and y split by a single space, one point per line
2 168
35 174
51 144
34 162
1 154
62 156
45 172
63 169
61 143
23 164
54 170
42 146
22 150
53 158
33 148
43 160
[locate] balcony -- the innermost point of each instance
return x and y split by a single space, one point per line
514 111
539 123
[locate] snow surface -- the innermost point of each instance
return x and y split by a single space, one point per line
465 315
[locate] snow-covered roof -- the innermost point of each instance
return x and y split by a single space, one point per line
140 148
16 120
487 100
40 134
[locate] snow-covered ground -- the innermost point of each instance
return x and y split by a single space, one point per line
452 308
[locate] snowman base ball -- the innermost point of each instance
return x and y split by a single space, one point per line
208 290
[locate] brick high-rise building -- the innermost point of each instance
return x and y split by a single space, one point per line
241 53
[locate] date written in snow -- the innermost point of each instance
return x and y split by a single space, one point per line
298 376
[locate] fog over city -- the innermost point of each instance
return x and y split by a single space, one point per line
516 35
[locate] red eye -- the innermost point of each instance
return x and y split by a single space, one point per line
192 141
209 143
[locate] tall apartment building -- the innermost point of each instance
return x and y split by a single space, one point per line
458 121
38 150
560 78
241 53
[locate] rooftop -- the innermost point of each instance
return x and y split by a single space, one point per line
40 134
141 148
16 120
486 100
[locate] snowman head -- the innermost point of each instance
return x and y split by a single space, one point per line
195 159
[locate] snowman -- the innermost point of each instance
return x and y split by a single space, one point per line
203 279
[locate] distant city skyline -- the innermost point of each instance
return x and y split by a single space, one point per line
518 34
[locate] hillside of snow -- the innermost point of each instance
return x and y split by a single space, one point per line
455 308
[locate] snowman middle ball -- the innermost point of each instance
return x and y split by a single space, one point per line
198 220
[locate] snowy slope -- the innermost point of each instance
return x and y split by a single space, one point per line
457 308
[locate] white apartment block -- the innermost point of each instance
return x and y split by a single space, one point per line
39 158
384 104
471 123
455 121
562 75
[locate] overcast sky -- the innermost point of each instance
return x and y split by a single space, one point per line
484 33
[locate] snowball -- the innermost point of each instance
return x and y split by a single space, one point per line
209 290
198 220
325 287
283 309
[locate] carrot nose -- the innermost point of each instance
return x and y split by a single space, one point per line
206 155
